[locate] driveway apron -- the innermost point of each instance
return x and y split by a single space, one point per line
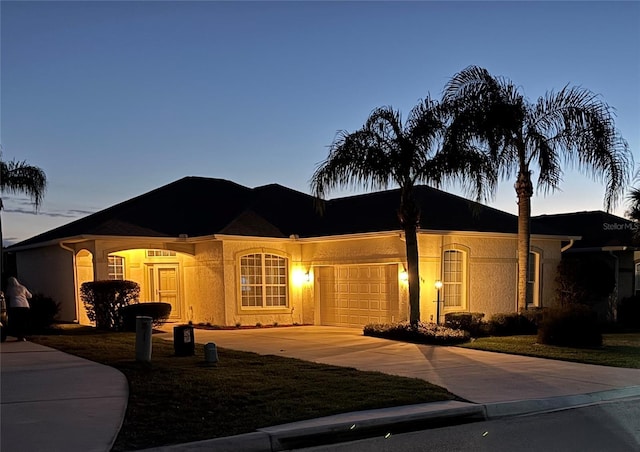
477 376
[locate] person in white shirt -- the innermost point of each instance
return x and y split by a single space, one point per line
19 310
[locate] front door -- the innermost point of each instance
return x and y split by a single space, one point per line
164 287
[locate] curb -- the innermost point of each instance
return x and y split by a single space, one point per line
365 424
524 407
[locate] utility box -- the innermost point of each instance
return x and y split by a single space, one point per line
210 353
183 340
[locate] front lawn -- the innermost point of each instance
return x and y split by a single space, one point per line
182 399
618 350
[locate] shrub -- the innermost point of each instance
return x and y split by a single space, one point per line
43 312
629 312
574 326
159 312
103 300
422 333
531 319
513 323
584 280
470 322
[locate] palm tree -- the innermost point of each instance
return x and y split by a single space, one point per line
20 177
572 126
387 152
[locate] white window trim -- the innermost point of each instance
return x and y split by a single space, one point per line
111 275
264 285
537 253
464 289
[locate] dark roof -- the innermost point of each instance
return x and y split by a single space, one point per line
597 228
198 206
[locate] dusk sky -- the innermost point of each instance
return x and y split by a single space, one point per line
113 99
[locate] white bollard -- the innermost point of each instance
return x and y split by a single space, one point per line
143 338
210 353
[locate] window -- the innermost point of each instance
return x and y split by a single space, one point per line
116 267
533 279
160 253
637 277
263 281
453 279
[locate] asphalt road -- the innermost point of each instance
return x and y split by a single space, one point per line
610 427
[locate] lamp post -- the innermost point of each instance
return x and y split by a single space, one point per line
438 287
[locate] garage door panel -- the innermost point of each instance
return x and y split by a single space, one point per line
361 295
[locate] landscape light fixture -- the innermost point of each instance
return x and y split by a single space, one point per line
438 285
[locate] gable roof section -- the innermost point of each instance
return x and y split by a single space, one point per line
597 228
198 206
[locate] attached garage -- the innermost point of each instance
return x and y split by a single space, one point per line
352 296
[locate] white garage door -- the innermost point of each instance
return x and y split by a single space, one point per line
356 295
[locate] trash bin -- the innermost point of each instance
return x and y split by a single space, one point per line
183 340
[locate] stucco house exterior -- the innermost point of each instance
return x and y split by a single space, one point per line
604 237
224 254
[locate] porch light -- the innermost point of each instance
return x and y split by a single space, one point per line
404 276
299 277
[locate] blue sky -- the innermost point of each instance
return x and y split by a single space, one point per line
113 99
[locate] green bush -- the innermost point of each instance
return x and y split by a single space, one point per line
573 326
629 312
43 312
422 333
470 322
103 300
513 323
159 312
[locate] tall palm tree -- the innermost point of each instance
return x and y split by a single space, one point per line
633 198
387 152
20 177
571 126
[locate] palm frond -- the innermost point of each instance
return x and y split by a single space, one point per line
20 177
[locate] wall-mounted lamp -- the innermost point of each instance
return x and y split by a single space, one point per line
403 275
299 277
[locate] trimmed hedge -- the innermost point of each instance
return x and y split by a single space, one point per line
422 333
514 323
103 299
470 322
158 311
573 326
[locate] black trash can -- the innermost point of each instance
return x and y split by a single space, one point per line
183 340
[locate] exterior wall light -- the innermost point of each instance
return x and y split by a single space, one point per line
403 276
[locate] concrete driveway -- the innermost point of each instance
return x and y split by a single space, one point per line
477 376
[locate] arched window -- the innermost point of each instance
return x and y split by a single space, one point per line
454 279
263 281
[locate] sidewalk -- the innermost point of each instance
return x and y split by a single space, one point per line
52 401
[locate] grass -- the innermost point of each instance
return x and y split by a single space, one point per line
182 399
618 350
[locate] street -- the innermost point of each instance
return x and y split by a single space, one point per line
611 427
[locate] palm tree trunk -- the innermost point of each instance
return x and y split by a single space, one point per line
409 216
524 190
411 241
